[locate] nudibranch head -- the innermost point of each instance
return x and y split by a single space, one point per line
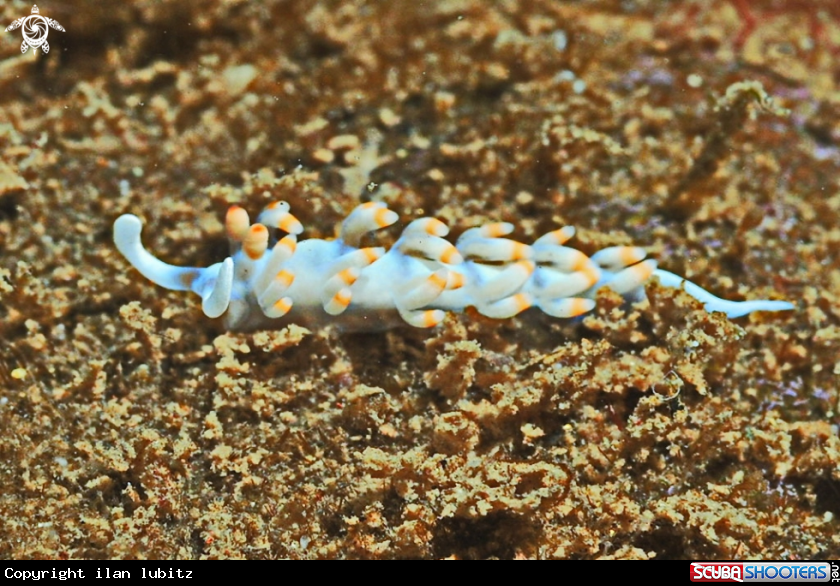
213 284
269 275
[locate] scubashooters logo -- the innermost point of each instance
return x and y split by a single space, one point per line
764 572
35 30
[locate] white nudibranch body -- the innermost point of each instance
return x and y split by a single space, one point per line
422 276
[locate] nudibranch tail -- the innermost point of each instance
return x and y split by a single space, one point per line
732 309
416 281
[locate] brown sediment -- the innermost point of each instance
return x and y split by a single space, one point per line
731 112
134 427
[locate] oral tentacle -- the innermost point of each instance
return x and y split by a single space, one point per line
127 230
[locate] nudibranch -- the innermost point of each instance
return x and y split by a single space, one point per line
316 282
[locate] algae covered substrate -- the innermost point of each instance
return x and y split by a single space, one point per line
134 427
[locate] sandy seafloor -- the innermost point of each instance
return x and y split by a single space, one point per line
134 427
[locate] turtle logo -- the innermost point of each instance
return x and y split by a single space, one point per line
35 30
